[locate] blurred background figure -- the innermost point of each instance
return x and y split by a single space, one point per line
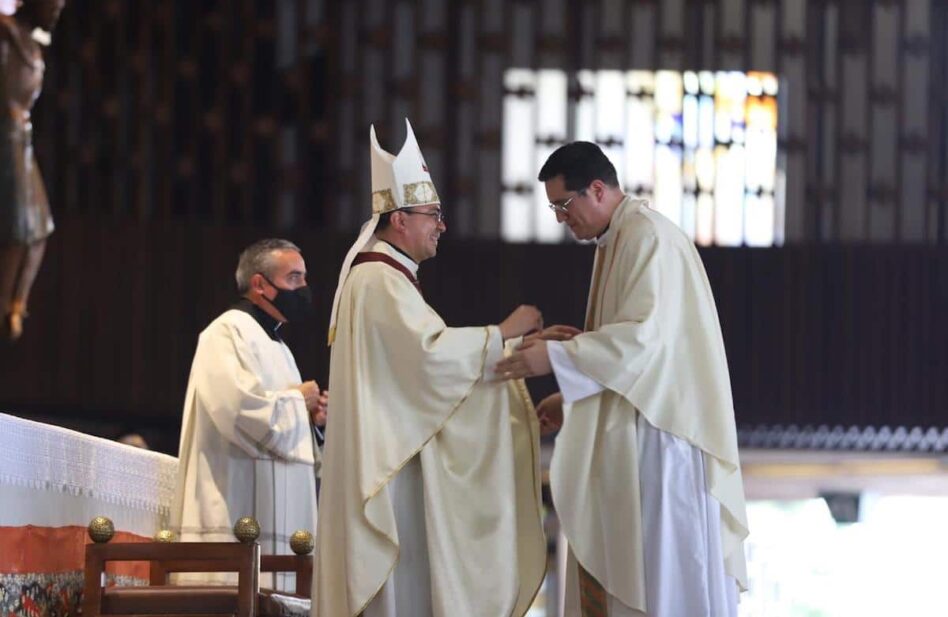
25 219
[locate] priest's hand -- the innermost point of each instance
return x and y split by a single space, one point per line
322 409
524 319
310 392
554 333
550 414
530 360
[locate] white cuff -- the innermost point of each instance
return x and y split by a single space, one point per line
574 384
495 352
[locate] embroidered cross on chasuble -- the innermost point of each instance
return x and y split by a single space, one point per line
369 257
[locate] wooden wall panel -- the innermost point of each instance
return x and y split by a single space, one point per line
258 113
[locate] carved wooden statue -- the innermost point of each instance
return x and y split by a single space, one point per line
25 219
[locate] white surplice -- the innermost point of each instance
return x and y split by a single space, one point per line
247 446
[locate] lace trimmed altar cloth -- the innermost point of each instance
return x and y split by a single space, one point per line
53 481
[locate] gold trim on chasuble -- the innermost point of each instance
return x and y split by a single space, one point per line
533 427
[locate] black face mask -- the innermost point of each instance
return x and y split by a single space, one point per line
295 304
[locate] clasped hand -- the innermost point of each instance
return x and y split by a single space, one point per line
531 358
317 401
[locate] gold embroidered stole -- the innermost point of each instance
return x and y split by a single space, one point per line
594 310
593 599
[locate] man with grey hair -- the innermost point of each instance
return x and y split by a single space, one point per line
247 446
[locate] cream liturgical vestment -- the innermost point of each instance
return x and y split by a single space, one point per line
247 445
653 344
430 498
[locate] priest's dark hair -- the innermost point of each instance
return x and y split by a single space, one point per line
579 162
258 257
384 221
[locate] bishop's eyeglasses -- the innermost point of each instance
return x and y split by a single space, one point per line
438 214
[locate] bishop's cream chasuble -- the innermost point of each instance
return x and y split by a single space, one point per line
653 343
430 498
247 445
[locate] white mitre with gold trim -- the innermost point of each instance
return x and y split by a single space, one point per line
400 181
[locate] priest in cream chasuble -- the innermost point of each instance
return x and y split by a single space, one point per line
645 473
247 446
430 497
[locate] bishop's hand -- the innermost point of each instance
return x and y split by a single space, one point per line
530 360
524 319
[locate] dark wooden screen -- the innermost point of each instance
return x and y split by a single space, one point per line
173 133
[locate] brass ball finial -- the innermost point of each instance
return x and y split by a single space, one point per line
247 529
101 529
302 542
165 535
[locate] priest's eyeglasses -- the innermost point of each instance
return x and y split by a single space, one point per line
563 208
438 215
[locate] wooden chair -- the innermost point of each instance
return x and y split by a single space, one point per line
301 565
159 598
246 599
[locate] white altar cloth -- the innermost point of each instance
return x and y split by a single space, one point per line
53 481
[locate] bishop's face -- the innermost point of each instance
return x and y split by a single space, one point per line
423 228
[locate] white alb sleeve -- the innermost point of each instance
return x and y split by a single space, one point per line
574 384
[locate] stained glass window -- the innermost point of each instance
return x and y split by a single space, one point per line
701 146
